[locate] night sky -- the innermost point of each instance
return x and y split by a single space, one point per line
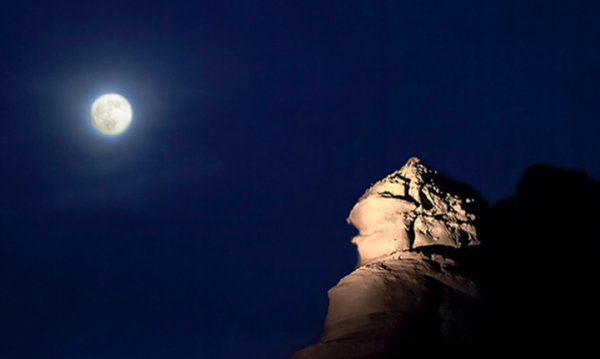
214 226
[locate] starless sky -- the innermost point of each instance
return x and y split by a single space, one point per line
214 226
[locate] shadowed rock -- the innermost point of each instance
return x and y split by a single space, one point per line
540 262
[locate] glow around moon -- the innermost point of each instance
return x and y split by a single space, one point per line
111 114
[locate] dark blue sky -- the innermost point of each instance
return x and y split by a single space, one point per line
215 225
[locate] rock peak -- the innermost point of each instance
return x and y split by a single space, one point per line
415 207
413 168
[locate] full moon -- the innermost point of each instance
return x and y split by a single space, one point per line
111 114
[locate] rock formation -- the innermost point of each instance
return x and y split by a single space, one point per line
411 208
443 275
409 295
540 270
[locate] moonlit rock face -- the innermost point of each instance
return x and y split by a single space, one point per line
111 114
405 306
403 301
415 207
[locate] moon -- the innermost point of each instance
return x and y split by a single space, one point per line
111 114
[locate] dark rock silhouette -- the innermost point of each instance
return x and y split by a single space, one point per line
442 275
540 275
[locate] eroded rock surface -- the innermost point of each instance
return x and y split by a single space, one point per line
407 298
415 207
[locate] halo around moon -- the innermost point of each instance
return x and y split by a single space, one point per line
111 114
